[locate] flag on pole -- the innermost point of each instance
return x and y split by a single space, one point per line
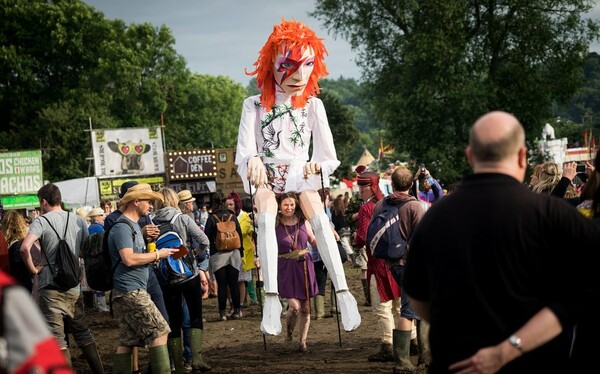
380 149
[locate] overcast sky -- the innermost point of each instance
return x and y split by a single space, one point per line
222 37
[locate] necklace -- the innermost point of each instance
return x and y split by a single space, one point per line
294 237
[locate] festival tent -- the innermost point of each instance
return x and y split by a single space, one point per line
366 158
79 192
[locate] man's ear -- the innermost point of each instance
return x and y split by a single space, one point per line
469 155
523 157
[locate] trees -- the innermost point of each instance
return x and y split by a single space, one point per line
62 63
207 115
435 66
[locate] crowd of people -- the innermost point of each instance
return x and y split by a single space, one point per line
497 276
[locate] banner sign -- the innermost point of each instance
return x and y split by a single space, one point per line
110 188
194 164
128 152
20 202
20 172
195 187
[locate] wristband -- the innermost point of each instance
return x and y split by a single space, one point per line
157 256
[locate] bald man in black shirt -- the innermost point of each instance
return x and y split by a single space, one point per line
495 265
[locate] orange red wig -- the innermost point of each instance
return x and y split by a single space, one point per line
288 36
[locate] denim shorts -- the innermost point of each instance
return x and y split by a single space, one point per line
406 310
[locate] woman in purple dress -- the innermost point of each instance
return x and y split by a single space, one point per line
295 271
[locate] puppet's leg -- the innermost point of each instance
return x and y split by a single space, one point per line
313 210
266 206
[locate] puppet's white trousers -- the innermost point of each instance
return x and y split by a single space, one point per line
328 251
267 252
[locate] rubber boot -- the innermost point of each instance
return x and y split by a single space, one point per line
67 354
385 354
424 350
176 349
121 363
402 363
198 364
92 356
159 359
319 307
366 292
252 292
332 303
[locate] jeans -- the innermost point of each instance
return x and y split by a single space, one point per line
186 326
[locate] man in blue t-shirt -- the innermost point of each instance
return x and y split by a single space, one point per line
138 315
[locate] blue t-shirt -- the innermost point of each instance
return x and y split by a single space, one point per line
120 236
95 228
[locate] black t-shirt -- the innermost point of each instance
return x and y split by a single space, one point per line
491 255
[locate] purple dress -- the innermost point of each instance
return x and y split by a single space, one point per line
293 276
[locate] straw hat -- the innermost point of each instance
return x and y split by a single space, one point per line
141 191
96 212
185 196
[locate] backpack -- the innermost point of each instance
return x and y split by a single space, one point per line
96 256
174 271
26 344
65 269
227 238
383 235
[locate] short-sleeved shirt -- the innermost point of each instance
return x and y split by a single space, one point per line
127 278
496 253
76 233
95 228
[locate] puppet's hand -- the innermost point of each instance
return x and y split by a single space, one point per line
311 168
257 174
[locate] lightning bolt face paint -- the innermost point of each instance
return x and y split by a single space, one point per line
292 70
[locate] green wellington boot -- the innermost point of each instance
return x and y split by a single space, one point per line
198 364
159 360
176 348
121 363
402 363
92 356
319 306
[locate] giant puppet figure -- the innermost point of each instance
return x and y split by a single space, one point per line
273 152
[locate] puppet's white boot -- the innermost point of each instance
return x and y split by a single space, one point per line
328 251
267 252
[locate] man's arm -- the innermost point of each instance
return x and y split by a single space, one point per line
26 253
540 329
131 258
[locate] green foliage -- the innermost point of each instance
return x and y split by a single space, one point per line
434 67
345 135
207 115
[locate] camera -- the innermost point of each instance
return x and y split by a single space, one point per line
422 168
580 168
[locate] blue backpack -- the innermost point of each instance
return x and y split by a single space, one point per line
174 271
383 235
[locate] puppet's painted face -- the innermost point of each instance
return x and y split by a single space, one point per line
292 70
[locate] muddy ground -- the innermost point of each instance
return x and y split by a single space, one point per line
237 346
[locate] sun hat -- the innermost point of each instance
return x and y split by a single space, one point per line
141 191
185 196
125 186
96 212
